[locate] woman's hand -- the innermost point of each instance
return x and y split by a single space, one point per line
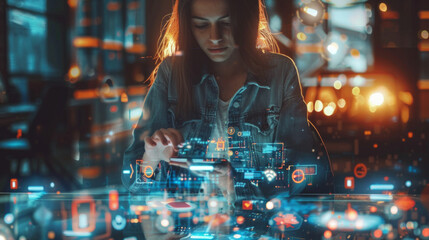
162 145
221 176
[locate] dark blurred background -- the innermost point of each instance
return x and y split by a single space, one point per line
72 83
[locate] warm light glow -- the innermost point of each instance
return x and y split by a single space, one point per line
124 97
351 214
338 85
355 53
424 34
405 114
378 233
376 99
301 36
425 232
359 224
356 91
318 106
382 7
333 48
72 3
329 110
406 97
165 222
170 47
270 205
332 224
410 225
341 103
240 219
394 210
372 108
213 203
74 72
327 234
311 11
86 42
310 107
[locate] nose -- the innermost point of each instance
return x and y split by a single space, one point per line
215 41
215 34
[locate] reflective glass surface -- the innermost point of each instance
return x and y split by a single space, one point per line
28 44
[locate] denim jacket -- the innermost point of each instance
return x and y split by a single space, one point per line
273 112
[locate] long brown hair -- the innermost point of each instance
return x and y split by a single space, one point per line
250 31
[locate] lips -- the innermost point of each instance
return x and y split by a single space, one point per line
217 50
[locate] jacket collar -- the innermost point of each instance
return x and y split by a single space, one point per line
251 79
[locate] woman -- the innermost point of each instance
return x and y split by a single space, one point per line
220 80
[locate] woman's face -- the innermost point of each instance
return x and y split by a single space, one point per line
211 26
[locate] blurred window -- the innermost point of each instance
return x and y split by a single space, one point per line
36 42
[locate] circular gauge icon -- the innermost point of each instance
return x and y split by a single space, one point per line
360 170
298 176
148 171
231 130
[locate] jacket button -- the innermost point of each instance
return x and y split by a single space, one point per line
236 104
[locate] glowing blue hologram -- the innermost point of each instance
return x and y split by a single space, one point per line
83 220
381 187
69 233
35 188
270 174
119 222
202 236
134 113
130 238
43 216
392 212
164 223
380 197
201 168
364 222
408 183
245 133
9 218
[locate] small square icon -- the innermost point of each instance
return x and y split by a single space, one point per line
13 183
247 205
349 182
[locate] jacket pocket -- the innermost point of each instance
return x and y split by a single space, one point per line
264 122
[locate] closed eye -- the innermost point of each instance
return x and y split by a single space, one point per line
201 26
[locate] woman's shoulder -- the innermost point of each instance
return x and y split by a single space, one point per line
167 63
279 60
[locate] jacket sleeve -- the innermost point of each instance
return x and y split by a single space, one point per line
154 117
298 136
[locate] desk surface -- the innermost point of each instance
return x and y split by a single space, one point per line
107 214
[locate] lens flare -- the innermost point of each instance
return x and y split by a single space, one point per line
376 99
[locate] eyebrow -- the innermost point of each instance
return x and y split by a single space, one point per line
205 19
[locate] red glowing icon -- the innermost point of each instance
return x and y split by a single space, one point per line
113 200
349 182
360 170
298 176
247 205
13 183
